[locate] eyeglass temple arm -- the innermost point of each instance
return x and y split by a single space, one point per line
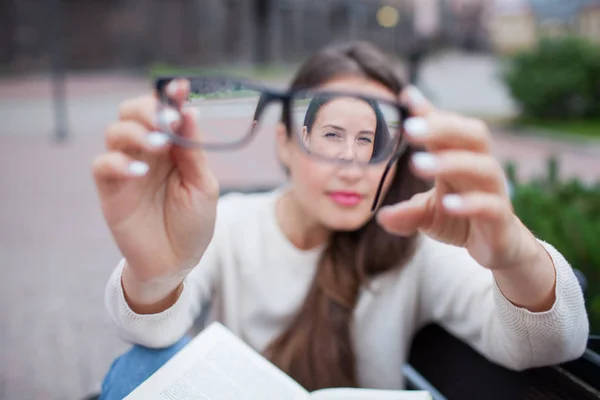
385 172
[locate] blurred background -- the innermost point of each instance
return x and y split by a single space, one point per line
530 68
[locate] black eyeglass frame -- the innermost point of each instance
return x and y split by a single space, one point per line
270 95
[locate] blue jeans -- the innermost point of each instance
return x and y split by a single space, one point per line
129 370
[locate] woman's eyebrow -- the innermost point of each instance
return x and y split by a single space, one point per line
339 128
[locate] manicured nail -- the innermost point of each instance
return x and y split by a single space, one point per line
416 126
452 201
195 113
415 96
172 87
138 168
387 209
425 161
510 188
157 139
167 116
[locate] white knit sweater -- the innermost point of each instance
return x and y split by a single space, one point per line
256 280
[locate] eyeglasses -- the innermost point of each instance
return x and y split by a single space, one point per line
332 126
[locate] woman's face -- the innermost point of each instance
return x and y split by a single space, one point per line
337 196
344 128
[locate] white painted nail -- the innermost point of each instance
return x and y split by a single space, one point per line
195 113
138 168
510 189
452 201
415 96
416 126
425 161
157 139
167 116
172 87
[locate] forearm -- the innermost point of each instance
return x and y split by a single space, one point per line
531 283
150 297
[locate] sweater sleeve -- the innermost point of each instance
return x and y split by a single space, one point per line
167 327
463 297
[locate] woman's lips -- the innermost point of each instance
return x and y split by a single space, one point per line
345 198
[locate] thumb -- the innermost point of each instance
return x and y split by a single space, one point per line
191 162
407 217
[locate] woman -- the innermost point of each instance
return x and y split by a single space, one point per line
307 274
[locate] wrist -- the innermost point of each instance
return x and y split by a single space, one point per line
528 250
531 282
150 296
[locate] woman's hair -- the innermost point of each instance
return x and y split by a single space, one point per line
382 135
316 349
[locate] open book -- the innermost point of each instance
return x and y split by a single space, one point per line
217 365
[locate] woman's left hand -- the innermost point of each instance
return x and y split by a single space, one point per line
469 205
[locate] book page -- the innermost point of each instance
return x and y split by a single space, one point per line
217 365
369 394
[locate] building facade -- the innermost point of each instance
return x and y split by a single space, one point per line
519 24
89 34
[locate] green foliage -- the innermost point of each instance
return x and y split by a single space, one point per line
566 214
559 79
589 127
249 72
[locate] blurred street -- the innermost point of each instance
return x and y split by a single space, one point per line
56 341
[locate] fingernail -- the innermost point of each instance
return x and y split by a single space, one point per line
157 139
415 96
195 113
452 201
385 209
172 87
425 161
416 126
510 189
138 168
167 116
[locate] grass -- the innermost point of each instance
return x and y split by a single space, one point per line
229 94
589 127
248 72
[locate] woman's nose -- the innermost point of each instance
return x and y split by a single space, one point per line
348 153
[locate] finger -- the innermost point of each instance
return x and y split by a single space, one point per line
191 163
178 90
116 166
170 115
144 110
130 135
407 217
480 205
416 102
442 131
462 170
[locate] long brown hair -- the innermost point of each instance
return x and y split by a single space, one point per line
316 349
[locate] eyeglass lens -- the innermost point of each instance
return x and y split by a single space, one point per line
332 126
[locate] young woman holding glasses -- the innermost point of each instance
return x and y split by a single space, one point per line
394 215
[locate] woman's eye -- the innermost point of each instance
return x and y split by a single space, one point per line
332 135
365 140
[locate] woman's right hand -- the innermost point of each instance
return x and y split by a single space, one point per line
159 200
